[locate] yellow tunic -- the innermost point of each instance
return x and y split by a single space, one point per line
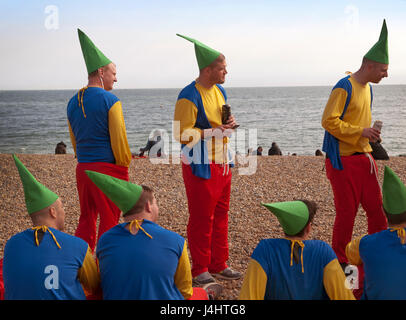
357 117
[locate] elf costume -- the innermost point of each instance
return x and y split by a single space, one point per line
205 168
153 264
383 254
351 169
99 139
273 274
42 262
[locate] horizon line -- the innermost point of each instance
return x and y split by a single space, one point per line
179 88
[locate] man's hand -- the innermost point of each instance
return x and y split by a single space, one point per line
372 134
231 123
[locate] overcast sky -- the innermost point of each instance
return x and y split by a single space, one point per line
266 43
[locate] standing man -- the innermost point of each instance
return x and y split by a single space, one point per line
99 139
205 165
43 262
350 167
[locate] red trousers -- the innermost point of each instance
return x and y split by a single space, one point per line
93 202
207 230
356 184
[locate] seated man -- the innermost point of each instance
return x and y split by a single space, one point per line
138 259
43 262
313 272
382 254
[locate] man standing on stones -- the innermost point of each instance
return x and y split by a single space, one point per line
99 139
350 167
205 166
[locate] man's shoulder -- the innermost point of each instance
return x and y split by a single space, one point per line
165 232
189 92
74 240
108 97
344 83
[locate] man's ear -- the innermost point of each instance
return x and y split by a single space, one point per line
308 229
52 212
101 71
147 206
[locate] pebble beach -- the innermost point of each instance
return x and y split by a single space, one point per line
276 178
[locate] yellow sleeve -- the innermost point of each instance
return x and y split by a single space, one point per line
118 136
186 115
72 138
342 130
352 252
183 275
88 274
254 284
334 282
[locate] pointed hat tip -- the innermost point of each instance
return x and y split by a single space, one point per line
187 38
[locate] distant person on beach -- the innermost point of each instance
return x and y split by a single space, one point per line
156 139
258 152
382 255
350 167
318 153
206 166
60 148
274 150
138 259
99 139
43 262
294 267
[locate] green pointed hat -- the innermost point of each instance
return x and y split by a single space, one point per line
379 52
123 193
292 215
37 196
94 58
393 193
204 54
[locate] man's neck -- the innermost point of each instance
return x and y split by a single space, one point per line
44 223
397 226
296 238
205 82
360 77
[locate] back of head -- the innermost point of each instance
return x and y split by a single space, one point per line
147 195
312 207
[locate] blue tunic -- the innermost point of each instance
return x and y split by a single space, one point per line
286 282
92 132
384 260
136 267
46 272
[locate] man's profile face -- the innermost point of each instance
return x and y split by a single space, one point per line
109 76
378 72
218 72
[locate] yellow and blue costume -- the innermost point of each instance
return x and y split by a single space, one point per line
153 264
383 256
350 167
97 128
26 259
99 139
273 274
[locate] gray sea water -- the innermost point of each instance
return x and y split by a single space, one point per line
35 121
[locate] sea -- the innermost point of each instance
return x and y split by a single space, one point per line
35 121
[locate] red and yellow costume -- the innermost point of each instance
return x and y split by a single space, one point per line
349 165
206 175
99 139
